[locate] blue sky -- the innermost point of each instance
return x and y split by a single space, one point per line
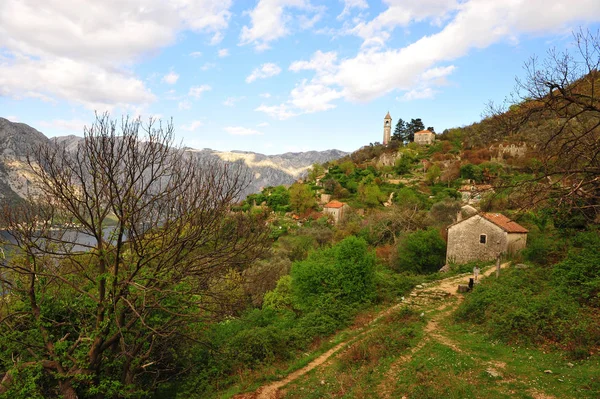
272 76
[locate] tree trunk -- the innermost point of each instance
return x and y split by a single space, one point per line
67 390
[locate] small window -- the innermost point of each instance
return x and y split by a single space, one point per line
482 239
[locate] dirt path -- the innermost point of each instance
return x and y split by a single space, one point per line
445 287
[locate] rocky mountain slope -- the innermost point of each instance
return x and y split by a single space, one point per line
16 139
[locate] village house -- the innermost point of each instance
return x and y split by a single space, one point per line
424 137
484 236
336 209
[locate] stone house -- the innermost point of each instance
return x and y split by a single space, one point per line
336 209
484 236
424 137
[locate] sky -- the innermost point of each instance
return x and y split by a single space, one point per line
272 76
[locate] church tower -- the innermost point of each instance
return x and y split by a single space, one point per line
387 129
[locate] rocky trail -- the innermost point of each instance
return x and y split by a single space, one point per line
439 298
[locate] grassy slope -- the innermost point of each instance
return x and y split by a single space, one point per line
405 358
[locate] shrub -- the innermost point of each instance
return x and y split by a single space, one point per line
344 272
525 306
423 251
579 274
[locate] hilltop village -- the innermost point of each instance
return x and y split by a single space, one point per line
428 265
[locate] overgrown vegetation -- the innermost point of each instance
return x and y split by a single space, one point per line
215 296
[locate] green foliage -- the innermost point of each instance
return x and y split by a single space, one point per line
371 195
315 171
423 251
302 198
409 197
579 273
404 164
401 132
344 273
278 199
473 172
524 306
543 248
281 297
433 174
347 167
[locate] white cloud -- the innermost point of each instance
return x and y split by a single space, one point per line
196 91
196 54
313 97
438 72
306 98
350 4
207 66
418 94
216 39
95 43
71 126
265 71
401 13
320 62
271 20
230 101
184 105
170 78
93 86
418 69
241 131
265 95
223 52
280 112
192 126
263 124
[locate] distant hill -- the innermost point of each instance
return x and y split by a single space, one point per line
16 139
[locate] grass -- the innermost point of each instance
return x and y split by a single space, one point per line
355 371
569 379
481 367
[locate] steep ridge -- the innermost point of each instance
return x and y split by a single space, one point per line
16 139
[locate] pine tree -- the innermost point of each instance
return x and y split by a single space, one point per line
400 132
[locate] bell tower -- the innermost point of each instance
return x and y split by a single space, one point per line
387 129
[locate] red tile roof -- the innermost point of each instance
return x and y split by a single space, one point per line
334 204
388 116
504 223
424 132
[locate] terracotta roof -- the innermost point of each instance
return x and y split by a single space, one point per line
334 204
388 116
504 223
424 132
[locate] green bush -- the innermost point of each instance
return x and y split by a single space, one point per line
345 272
525 306
423 251
543 249
579 273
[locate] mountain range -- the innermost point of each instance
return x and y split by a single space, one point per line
17 139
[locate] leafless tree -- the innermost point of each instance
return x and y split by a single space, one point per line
556 106
145 230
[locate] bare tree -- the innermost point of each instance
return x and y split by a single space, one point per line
149 228
557 108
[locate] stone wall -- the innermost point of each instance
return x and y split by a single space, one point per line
516 242
464 241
